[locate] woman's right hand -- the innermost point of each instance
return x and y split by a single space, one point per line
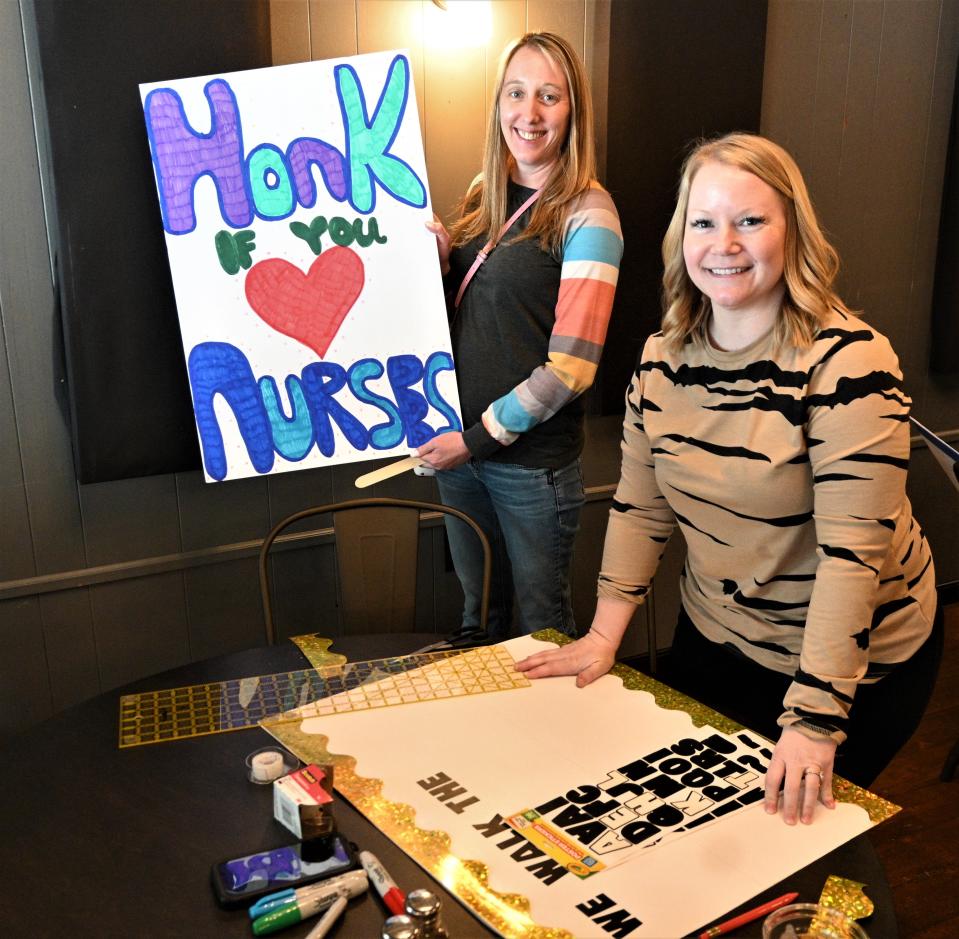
442 243
587 658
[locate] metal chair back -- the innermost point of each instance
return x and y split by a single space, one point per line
376 553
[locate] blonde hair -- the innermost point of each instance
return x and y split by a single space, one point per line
483 210
810 264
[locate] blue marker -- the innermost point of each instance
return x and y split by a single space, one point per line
272 901
352 883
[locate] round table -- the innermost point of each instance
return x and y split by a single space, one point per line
106 842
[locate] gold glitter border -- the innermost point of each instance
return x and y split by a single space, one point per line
847 896
316 648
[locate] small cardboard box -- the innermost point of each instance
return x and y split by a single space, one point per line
303 802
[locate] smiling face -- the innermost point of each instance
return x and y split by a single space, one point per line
534 107
734 243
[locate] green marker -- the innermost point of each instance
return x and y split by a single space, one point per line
310 901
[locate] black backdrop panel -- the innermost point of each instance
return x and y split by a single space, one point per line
129 395
944 359
675 75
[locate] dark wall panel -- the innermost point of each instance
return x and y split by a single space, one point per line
223 605
220 513
291 492
130 519
40 529
129 397
141 627
945 303
15 562
24 679
677 71
587 555
304 590
69 647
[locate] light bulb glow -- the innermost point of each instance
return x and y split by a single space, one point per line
464 23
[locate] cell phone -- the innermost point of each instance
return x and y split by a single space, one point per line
240 881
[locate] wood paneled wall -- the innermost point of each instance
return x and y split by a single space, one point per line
105 583
453 83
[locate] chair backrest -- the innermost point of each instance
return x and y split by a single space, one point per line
376 553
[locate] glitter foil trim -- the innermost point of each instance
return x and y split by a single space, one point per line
847 896
877 808
316 648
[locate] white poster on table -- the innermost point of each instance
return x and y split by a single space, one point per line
552 810
293 201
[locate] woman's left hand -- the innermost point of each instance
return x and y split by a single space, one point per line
444 451
802 768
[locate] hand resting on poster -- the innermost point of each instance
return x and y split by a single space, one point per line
795 755
589 657
593 655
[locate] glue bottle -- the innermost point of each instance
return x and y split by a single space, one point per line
423 907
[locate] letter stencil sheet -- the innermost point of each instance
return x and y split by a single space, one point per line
293 201
611 773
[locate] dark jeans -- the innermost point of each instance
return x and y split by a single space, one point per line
884 715
530 517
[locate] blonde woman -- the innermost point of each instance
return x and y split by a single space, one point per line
770 423
528 325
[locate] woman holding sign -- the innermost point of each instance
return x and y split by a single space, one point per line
771 424
528 327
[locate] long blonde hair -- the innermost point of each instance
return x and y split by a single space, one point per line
810 265
483 210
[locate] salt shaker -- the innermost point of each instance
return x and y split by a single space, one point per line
401 927
423 907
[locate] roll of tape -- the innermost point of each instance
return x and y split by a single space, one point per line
267 766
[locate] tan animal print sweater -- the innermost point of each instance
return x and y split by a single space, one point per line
785 469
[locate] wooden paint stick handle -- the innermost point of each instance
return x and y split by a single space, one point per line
385 472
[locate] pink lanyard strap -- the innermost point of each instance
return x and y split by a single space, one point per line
490 245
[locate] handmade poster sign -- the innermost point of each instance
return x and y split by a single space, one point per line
293 200
553 811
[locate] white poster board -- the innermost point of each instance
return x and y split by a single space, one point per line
667 816
293 201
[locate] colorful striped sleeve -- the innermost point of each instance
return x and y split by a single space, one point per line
592 249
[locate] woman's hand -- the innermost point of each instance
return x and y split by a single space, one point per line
592 656
802 768
588 659
442 243
444 451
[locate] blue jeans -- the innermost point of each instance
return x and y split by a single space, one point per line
530 517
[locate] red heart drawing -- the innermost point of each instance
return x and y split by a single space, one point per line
311 307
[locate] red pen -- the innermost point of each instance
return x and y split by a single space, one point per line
385 887
747 917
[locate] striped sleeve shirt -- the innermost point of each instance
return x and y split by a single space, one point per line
592 248
785 469
530 331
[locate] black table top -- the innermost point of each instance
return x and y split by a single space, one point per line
99 841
